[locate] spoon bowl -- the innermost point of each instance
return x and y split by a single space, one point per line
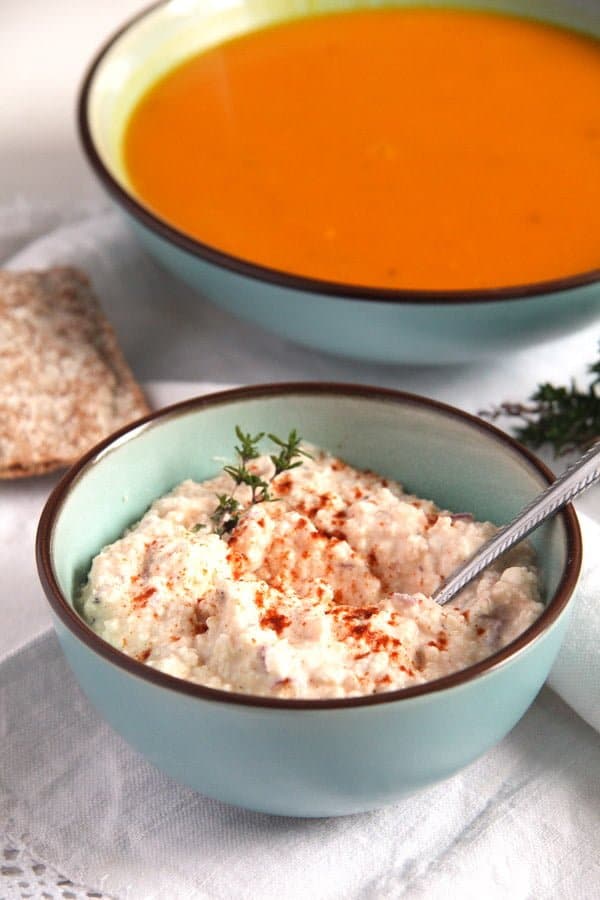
578 478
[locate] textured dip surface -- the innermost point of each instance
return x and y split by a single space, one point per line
324 593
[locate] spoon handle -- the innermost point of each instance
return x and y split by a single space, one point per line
573 481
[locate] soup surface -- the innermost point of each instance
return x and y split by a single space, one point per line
405 148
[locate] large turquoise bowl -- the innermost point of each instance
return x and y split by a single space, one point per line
318 757
372 324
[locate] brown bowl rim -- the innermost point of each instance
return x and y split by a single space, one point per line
278 277
76 625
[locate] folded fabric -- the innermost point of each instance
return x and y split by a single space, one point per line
576 673
520 822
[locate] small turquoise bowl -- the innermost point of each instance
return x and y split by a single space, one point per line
381 325
306 757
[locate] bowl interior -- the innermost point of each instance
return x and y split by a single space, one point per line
437 453
174 31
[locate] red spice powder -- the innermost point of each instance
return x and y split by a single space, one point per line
383 641
359 613
276 621
237 561
283 485
140 600
441 643
357 631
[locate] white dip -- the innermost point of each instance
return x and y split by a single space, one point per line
324 593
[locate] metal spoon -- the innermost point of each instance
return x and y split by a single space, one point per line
577 478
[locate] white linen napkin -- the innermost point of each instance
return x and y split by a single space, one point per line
520 822
576 673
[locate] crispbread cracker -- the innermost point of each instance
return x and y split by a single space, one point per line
64 383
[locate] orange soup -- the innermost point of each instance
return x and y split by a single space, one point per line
406 148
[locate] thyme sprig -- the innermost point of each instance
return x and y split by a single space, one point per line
229 510
565 417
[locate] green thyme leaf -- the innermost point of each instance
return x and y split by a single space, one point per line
565 417
228 511
248 448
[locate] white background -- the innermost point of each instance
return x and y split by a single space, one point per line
45 46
